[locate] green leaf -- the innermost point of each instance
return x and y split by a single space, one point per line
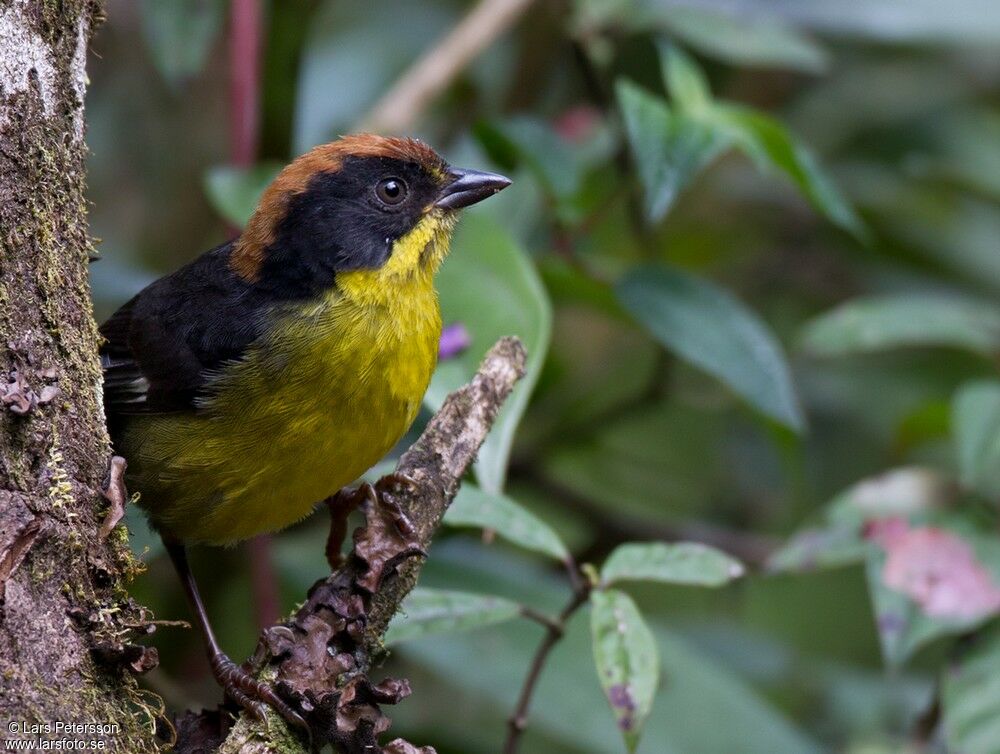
976 427
489 285
473 507
970 699
628 663
568 285
486 670
709 327
552 160
179 34
877 323
955 230
435 611
234 192
965 23
819 548
686 82
769 144
634 467
967 149
668 148
682 563
746 41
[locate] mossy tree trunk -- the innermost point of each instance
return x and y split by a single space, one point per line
66 623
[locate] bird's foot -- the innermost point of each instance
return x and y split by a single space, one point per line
252 694
343 503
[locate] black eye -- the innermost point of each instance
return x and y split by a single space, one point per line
391 191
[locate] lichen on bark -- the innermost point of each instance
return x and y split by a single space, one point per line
63 605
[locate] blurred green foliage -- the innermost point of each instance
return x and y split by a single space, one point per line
754 249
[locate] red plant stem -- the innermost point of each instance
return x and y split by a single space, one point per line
245 29
245 43
263 582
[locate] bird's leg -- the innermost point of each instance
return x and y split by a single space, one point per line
235 681
341 504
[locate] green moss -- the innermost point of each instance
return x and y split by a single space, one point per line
40 571
60 490
274 736
56 454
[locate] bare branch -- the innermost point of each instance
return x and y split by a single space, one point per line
400 107
319 660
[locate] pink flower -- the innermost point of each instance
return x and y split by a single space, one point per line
577 123
935 568
454 339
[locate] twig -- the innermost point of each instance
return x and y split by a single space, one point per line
319 660
555 630
399 108
541 618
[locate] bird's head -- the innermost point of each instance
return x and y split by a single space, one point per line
361 204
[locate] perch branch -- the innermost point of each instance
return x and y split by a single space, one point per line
319 659
400 107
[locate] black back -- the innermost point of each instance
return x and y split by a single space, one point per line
163 344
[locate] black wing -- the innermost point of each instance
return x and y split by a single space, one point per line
162 346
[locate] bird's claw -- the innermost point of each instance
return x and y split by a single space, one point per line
251 694
380 493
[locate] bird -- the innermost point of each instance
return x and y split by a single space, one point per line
273 370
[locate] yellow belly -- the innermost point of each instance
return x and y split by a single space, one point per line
304 414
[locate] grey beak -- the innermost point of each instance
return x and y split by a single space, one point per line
468 187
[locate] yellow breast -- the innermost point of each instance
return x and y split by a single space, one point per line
296 421
319 400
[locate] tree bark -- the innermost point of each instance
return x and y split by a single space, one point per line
66 622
